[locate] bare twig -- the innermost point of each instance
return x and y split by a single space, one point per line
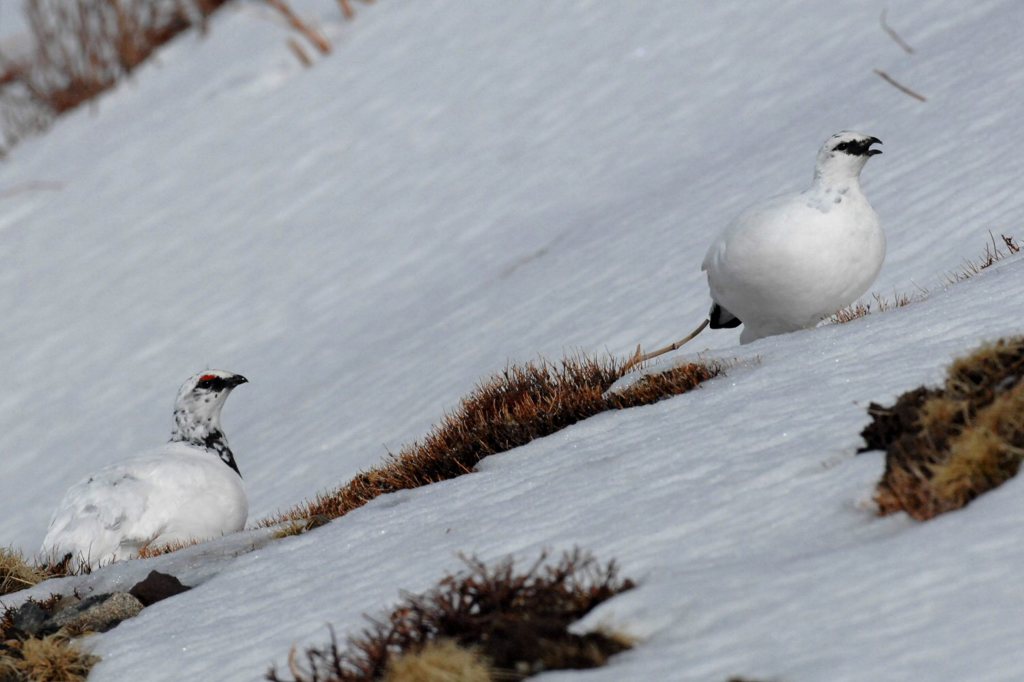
302 27
639 357
894 35
1011 243
297 50
899 86
346 8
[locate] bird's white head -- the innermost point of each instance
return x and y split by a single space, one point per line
197 411
843 156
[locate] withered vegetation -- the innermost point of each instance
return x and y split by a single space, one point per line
994 252
881 304
150 551
27 658
439 661
82 48
18 573
496 620
946 446
508 410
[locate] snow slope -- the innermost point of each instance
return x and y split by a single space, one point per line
458 186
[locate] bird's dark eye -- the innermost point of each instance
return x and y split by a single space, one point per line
841 147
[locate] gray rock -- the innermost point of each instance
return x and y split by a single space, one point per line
98 613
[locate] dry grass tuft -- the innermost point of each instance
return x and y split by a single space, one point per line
26 658
81 48
150 551
946 446
16 573
515 621
993 254
440 661
519 405
881 304
54 659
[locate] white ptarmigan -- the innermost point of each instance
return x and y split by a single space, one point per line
190 489
793 260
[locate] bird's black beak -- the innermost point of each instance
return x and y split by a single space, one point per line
870 151
236 380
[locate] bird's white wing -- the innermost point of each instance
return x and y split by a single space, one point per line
178 493
99 517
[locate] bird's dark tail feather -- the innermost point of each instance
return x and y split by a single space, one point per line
722 318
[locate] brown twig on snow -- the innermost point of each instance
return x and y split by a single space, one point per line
899 86
297 50
346 8
639 357
302 27
893 34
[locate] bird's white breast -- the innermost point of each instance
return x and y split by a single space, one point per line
790 262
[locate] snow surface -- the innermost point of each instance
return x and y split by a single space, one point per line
461 185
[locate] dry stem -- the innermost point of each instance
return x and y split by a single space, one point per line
899 86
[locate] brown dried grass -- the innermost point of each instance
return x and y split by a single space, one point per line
16 573
30 658
946 446
506 411
881 304
440 661
55 658
150 551
994 252
515 621
81 48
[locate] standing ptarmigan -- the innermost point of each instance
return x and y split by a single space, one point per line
793 260
190 489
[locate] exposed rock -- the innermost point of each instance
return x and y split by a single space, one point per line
97 613
157 586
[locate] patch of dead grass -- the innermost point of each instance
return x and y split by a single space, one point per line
55 658
946 446
80 49
150 551
881 304
508 410
16 573
439 661
994 252
513 623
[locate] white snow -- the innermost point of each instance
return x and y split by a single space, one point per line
462 185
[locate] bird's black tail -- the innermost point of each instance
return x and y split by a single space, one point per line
722 318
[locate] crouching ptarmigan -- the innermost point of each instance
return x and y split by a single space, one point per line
791 261
190 489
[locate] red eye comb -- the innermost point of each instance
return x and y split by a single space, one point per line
208 377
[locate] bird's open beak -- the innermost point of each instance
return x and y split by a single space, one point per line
236 380
872 152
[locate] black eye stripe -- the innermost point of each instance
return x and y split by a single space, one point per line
854 147
214 384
